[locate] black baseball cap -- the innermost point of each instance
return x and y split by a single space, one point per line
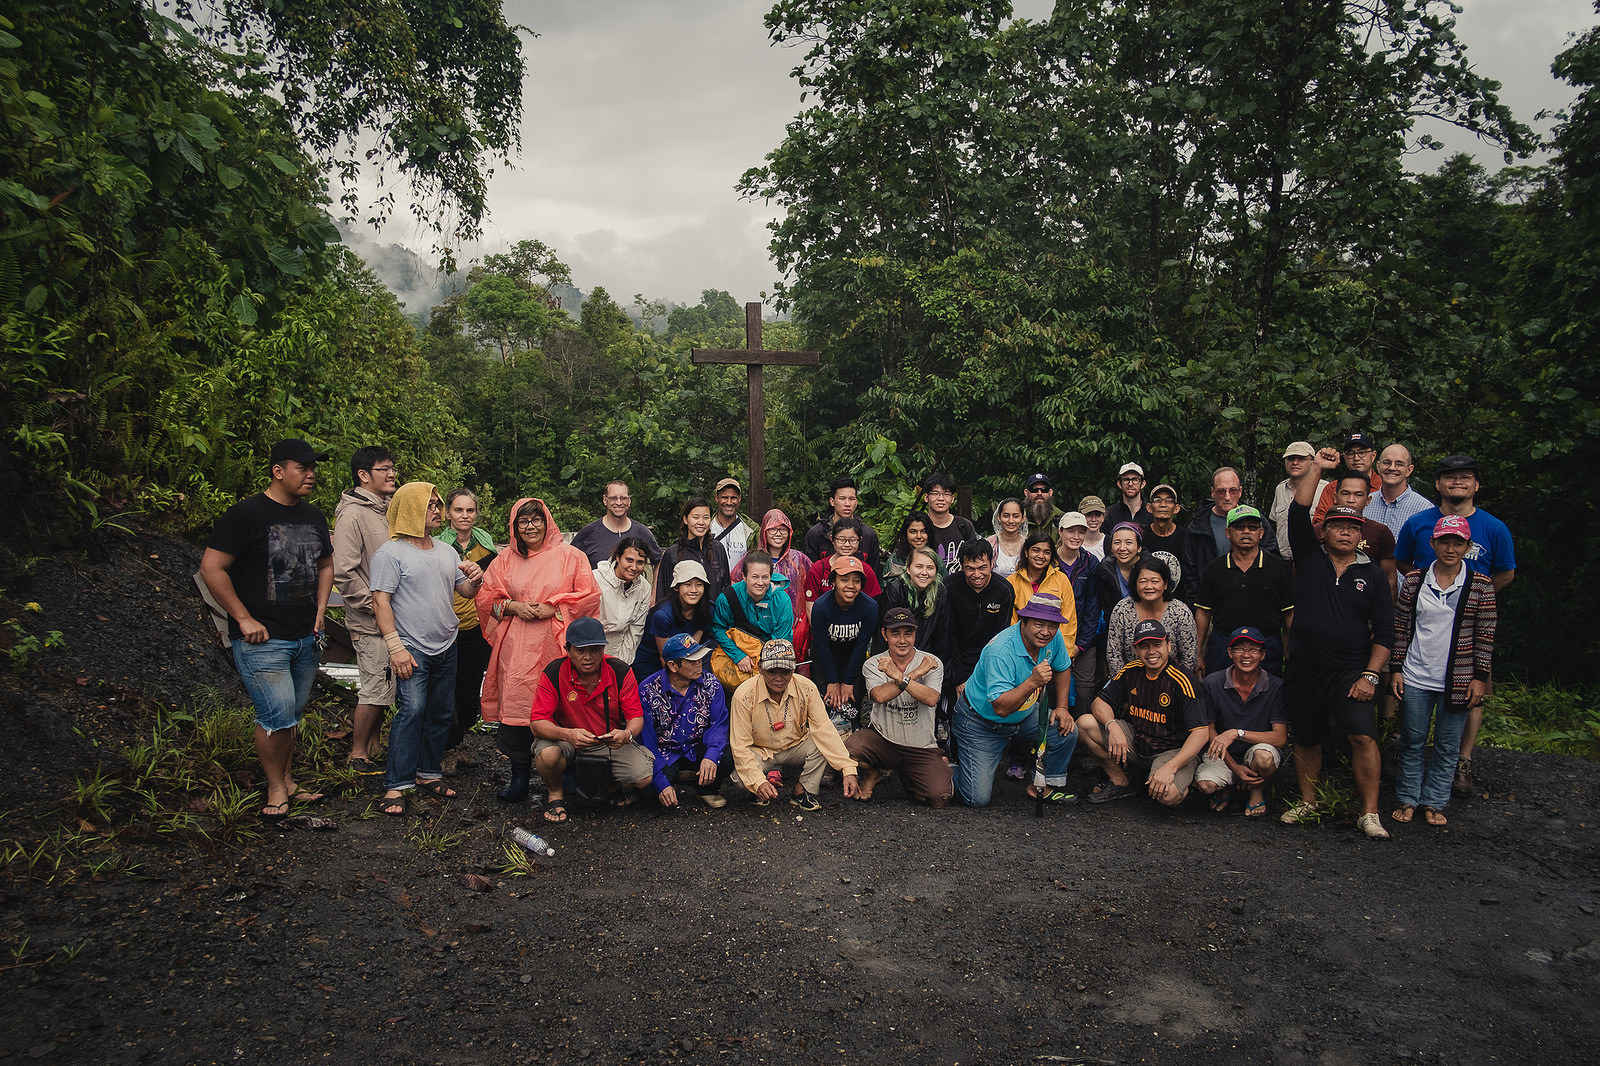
899 618
1359 439
293 449
1452 463
1149 629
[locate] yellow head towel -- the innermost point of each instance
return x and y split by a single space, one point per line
408 510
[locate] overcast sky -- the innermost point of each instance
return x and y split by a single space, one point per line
640 115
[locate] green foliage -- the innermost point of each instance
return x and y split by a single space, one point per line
431 89
1542 718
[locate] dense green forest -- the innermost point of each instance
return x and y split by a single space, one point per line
1181 233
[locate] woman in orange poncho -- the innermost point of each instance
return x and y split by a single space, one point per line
531 593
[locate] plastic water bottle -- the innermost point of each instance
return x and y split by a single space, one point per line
534 843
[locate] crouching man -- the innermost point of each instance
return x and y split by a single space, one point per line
1146 720
685 722
1249 726
587 705
778 720
902 691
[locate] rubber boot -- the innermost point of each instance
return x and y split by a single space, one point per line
517 789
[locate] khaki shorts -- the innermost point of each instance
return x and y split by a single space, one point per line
377 684
1140 768
630 763
1216 770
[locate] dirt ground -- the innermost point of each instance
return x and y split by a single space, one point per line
862 932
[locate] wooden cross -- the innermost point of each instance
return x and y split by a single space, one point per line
754 357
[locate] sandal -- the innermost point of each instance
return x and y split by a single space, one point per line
1434 816
1404 813
1219 801
1258 809
1052 794
1106 792
395 805
556 811
275 812
625 798
436 789
306 799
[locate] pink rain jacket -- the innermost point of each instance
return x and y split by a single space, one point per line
557 574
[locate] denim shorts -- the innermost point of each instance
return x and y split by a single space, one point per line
278 675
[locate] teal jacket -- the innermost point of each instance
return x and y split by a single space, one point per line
773 616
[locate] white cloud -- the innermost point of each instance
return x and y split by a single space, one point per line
640 115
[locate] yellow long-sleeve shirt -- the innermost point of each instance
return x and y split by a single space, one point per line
754 713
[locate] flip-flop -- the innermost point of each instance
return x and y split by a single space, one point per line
556 812
307 799
1403 813
1256 810
269 815
625 798
394 806
437 789
1434 816
1219 801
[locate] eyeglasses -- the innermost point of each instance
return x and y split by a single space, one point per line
846 542
618 499
1039 489
1129 477
390 469
532 520
946 493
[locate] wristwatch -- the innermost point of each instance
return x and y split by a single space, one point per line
1240 732
1370 677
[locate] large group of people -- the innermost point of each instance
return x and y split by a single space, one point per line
1186 658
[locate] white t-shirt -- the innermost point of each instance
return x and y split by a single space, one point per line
903 720
736 543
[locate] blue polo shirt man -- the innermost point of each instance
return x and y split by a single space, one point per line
1003 697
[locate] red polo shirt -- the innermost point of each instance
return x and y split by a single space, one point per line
599 710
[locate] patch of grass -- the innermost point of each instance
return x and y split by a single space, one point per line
93 797
432 840
518 863
1545 719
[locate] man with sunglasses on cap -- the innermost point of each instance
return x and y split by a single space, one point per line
1491 552
778 719
1249 726
1146 720
1343 633
903 687
1039 503
1005 696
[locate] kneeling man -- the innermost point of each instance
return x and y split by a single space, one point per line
902 691
587 704
1249 726
778 719
1005 696
1146 720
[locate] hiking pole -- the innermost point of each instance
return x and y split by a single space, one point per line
1038 757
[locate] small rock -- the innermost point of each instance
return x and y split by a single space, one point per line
1489 901
686 1044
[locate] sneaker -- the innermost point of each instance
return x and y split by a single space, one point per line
448 764
1297 812
365 767
1015 772
1372 825
712 800
806 801
1464 784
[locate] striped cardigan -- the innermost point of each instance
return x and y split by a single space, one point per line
1471 646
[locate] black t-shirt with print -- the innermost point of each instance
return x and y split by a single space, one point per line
277 552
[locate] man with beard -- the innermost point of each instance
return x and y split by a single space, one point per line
360 528
1039 504
1130 505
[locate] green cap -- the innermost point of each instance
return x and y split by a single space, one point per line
1243 511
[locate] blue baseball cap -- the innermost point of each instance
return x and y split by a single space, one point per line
682 646
1250 633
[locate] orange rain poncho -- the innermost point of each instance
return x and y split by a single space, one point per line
557 574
